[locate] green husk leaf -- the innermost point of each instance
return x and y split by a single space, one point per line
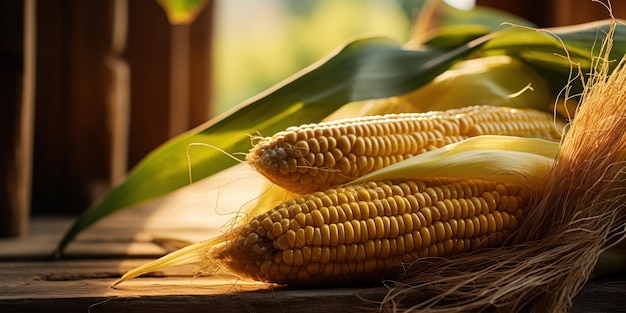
453 36
550 51
494 80
363 69
487 17
182 11
460 26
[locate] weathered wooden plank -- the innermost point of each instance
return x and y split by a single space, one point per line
84 285
92 278
194 213
342 300
113 245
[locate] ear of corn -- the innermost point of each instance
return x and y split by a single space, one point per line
314 157
361 232
507 159
285 244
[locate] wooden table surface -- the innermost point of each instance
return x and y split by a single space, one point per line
30 281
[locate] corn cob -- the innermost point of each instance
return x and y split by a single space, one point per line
363 230
314 157
359 233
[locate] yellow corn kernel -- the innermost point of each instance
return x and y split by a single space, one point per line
315 157
361 232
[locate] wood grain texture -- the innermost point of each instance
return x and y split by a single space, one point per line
17 82
32 282
84 285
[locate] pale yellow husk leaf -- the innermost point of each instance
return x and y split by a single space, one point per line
505 159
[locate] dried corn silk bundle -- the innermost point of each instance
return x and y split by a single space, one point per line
578 212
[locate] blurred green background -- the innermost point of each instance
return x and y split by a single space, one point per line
260 42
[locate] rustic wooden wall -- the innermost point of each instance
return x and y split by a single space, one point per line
114 81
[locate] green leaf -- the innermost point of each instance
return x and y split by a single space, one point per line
456 35
363 69
437 18
542 49
487 17
545 50
182 11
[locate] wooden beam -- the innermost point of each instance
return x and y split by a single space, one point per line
17 89
79 128
171 75
84 286
122 241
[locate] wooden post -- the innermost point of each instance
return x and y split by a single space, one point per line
171 70
17 83
115 80
82 103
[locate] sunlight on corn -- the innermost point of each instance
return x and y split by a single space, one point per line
359 233
421 197
363 231
314 157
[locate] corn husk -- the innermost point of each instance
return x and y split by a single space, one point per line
579 214
495 80
495 155
506 159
